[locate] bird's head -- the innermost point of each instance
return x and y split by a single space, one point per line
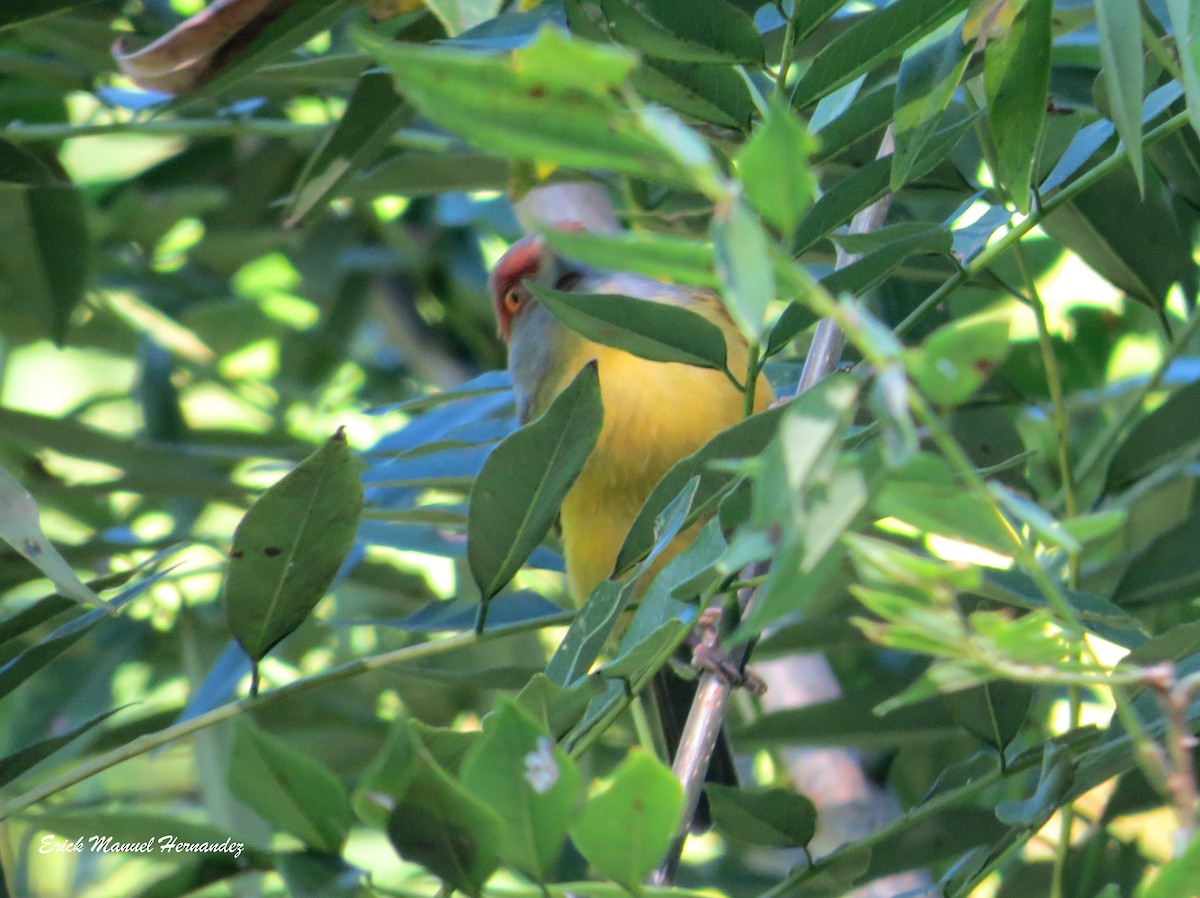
527 260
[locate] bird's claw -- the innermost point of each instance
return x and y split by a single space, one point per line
707 655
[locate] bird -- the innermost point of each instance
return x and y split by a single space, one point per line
655 413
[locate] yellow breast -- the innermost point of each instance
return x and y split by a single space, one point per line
654 415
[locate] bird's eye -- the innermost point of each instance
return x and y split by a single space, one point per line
513 298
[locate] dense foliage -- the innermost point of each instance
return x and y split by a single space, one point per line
360 674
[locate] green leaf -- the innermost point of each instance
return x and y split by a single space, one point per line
553 100
1052 789
1142 251
17 11
373 114
711 93
388 775
439 824
869 183
744 439
927 494
744 266
1167 570
840 202
778 818
461 15
17 762
289 546
874 268
310 875
660 256
1171 432
20 527
716 31
288 788
875 38
850 720
958 358
775 170
1178 876
1047 528
658 331
428 174
929 76
589 631
556 708
1120 25
993 712
1185 22
628 824
517 495
533 785
1017 80
44 253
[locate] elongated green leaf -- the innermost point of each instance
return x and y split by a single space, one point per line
289 546
716 31
629 823
423 174
1167 570
993 712
746 438
868 184
44 253
1178 876
20 527
1185 22
655 255
589 631
1120 25
927 494
1052 788
17 11
708 92
517 495
1142 251
288 788
437 823
17 762
779 818
958 358
372 115
652 330
744 266
876 38
871 270
775 170
867 114
929 76
850 720
533 785
1017 79
551 100
1170 432
462 15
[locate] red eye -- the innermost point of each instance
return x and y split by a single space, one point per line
513 297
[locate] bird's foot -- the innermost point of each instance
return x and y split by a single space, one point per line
707 654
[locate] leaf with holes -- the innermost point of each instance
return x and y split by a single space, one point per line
289 546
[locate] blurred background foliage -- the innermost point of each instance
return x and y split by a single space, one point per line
196 292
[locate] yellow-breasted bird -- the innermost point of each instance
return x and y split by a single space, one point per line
655 413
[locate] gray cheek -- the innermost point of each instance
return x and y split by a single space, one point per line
534 354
